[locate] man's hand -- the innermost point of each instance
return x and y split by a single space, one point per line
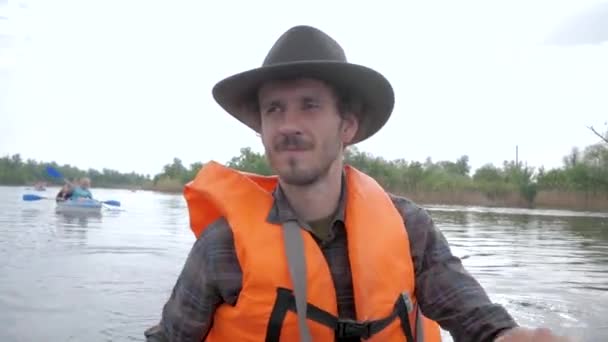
537 335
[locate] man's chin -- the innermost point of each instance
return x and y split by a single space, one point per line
297 178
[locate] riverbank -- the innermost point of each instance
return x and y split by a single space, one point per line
581 184
545 199
553 199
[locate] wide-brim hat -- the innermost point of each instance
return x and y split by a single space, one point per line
307 52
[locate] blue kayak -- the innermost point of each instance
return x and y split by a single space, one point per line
79 205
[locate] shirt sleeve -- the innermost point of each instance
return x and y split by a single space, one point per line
446 292
188 314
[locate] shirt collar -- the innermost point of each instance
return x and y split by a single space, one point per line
281 211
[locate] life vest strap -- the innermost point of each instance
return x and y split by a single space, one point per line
294 248
344 328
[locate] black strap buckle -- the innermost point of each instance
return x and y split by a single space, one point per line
348 328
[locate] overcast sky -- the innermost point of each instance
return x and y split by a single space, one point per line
127 84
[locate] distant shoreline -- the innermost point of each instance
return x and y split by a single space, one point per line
545 199
581 184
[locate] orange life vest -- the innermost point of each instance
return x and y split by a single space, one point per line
379 254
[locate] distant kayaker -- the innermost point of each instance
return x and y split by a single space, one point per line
65 193
321 238
82 190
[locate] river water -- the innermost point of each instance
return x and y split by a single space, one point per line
106 277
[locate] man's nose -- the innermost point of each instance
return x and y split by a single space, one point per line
291 121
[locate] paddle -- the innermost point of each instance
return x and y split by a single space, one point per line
32 197
51 171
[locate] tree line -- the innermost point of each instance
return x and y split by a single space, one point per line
583 170
16 171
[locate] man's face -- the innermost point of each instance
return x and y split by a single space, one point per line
302 129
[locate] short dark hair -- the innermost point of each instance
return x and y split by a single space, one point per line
346 101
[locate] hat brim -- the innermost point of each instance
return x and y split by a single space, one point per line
237 94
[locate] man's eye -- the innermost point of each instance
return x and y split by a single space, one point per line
310 105
271 109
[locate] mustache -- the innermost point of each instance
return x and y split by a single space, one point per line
292 142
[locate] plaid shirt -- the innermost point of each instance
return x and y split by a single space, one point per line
446 292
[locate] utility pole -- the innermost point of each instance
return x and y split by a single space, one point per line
517 156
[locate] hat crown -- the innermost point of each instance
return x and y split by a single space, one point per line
304 43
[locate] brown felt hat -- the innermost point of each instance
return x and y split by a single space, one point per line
307 52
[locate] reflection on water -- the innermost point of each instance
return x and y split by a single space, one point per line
105 277
547 269
80 219
174 209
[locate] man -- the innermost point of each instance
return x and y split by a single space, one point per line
321 252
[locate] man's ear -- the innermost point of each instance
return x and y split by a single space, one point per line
349 128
